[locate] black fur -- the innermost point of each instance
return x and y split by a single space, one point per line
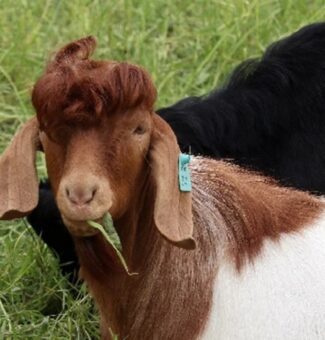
270 117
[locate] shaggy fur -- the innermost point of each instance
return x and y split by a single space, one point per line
82 94
268 117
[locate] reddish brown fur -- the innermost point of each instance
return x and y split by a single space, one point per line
170 298
78 90
233 211
253 207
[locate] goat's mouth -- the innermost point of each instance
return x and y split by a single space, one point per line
81 228
76 217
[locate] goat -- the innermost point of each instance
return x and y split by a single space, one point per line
237 258
269 117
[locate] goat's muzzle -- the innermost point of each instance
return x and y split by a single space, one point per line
81 199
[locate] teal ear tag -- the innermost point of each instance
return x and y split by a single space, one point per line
184 175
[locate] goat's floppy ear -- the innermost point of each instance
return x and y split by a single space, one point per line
18 177
173 208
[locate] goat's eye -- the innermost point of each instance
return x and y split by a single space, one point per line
139 130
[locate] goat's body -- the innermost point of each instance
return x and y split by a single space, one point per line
258 271
280 295
270 280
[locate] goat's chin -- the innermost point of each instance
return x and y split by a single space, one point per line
81 228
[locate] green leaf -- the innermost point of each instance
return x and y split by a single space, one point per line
113 335
111 236
111 231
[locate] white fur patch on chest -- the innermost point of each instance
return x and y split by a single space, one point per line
281 295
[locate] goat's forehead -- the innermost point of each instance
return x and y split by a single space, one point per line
126 118
132 115
105 127
84 120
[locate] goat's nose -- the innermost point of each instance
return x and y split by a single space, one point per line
80 195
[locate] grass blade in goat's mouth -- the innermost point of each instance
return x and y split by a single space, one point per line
111 236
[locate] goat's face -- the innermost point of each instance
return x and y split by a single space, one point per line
102 141
95 170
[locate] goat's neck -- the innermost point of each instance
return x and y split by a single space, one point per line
153 301
136 226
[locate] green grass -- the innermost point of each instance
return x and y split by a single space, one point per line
188 46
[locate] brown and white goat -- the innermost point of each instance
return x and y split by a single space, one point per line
237 258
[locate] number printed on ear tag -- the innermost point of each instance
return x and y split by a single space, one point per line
184 174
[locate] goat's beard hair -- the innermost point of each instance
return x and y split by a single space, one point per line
97 256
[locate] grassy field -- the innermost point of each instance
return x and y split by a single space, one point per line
189 47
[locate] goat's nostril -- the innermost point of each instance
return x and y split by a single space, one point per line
92 195
80 195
